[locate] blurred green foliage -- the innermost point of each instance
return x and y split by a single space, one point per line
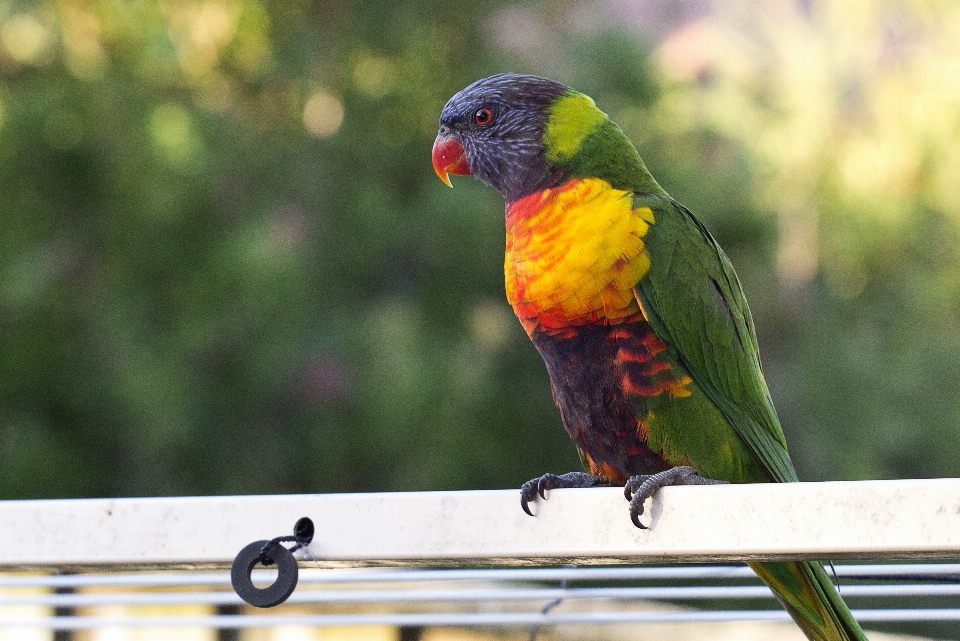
226 265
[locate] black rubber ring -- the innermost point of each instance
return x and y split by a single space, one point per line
282 588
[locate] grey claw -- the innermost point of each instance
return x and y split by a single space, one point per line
547 482
528 492
643 486
636 509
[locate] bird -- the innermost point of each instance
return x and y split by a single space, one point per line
637 312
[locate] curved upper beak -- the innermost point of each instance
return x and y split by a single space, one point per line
449 158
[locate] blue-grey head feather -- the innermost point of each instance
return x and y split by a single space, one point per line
508 153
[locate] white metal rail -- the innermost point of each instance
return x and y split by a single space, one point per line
878 520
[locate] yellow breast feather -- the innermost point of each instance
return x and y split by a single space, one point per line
574 253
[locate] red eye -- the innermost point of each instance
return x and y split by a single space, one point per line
483 116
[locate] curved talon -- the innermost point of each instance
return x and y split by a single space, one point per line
636 506
643 486
548 482
528 492
542 484
635 517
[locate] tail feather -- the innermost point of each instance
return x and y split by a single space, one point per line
805 590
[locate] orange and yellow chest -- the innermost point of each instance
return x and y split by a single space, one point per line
574 254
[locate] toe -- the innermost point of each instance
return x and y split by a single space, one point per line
547 482
636 509
528 493
633 484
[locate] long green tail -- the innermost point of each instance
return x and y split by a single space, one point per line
805 590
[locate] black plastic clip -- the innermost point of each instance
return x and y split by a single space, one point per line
267 553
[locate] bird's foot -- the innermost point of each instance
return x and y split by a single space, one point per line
533 487
639 488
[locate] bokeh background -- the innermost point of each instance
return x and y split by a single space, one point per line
226 264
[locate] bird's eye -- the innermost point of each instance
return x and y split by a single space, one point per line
483 116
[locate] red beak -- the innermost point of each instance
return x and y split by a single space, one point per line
449 158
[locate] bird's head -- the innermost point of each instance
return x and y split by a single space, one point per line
494 130
523 133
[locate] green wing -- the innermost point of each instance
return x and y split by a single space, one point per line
693 300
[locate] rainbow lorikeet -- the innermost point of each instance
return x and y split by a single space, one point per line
635 309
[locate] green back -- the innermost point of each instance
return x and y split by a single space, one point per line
691 295
693 301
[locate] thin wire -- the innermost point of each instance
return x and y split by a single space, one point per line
564 584
462 619
447 595
933 572
932 578
836 579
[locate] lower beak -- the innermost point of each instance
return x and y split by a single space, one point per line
449 158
